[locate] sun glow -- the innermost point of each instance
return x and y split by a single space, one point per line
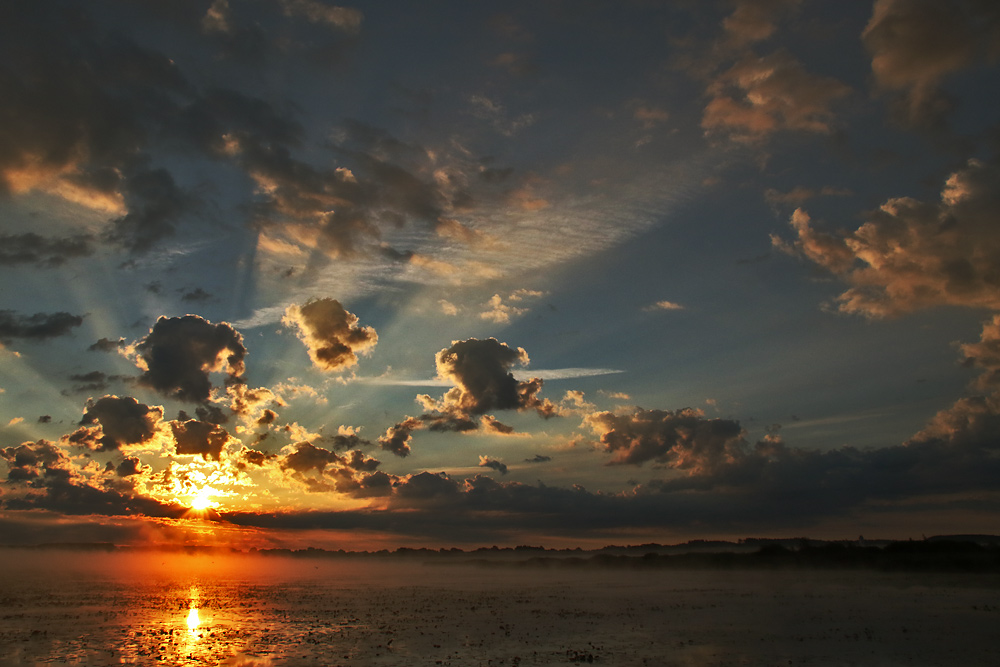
202 500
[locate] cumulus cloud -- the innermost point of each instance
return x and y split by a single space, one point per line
123 421
681 439
331 334
480 371
397 437
199 438
759 96
39 326
916 44
179 353
911 254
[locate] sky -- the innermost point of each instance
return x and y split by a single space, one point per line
572 273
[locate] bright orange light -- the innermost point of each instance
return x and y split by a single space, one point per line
192 619
202 500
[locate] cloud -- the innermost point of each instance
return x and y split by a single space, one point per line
123 421
985 355
108 345
911 254
538 458
488 462
331 334
759 96
499 312
664 305
754 20
915 45
179 353
681 439
30 248
342 18
199 438
39 326
397 437
483 382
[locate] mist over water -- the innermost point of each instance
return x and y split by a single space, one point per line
86 608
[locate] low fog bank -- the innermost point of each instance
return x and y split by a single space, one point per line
973 553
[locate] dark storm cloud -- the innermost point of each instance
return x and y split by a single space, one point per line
123 421
331 335
480 371
39 326
179 353
30 248
198 438
397 437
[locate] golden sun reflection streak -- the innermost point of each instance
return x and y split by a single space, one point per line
193 621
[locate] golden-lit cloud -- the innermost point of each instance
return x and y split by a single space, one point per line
332 336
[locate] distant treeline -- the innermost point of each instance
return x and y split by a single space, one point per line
927 555
972 553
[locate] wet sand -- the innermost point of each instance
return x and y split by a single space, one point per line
111 609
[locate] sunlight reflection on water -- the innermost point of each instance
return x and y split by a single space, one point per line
244 612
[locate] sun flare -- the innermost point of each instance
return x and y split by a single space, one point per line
202 500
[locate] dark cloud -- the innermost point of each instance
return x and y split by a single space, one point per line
128 467
50 482
198 438
108 345
538 458
123 421
331 334
197 294
179 353
397 437
480 371
30 248
916 44
305 456
45 419
682 439
154 202
39 326
31 460
492 425
89 382
489 462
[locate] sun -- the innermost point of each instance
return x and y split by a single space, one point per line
202 500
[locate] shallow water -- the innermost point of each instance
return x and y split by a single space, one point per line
112 609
